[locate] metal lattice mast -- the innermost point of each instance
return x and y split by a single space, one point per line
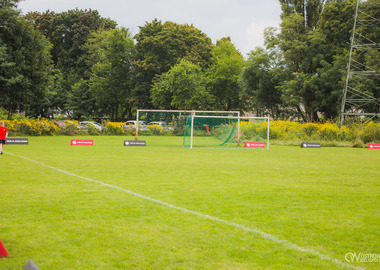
356 101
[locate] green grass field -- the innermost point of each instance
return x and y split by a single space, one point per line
175 208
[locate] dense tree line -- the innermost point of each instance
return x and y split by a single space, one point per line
80 64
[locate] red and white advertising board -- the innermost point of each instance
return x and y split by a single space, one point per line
82 142
254 145
373 146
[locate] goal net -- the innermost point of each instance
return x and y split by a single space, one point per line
166 123
226 131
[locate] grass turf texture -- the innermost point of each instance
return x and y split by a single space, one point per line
324 199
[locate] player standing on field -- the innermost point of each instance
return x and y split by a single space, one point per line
3 136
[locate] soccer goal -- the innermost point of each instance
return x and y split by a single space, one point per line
170 123
226 131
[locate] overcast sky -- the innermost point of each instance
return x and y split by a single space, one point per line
243 20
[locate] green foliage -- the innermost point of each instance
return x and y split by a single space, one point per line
310 10
82 101
371 132
79 64
185 83
110 79
91 130
111 129
25 66
160 46
226 65
69 130
314 39
259 80
68 32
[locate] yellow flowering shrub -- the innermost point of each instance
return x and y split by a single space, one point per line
115 128
285 130
288 130
155 129
31 127
370 132
253 131
310 129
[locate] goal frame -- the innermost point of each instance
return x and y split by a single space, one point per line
266 118
191 112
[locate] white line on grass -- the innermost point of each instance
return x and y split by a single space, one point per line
242 227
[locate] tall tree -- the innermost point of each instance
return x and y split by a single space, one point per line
223 74
68 32
183 87
260 79
313 35
110 81
26 67
159 46
310 10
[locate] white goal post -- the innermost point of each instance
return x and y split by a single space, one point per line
179 112
235 129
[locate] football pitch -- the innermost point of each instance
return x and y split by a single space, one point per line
113 207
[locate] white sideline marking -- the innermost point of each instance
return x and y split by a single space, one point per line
205 216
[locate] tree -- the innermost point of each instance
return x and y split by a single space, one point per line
26 65
110 79
259 80
314 35
8 78
68 32
183 87
159 47
223 73
310 10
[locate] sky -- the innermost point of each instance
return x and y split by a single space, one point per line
243 20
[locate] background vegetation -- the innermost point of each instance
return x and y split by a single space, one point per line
281 132
81 65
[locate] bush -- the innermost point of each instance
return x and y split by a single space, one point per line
154 129
114 128
370 132
328 132
69 130
31 127
250 131
91 130
178 130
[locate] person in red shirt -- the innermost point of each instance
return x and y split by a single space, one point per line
3 136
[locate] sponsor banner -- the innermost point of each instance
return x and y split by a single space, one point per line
134 143
373 146
82 142
254 145
17 141
310 145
